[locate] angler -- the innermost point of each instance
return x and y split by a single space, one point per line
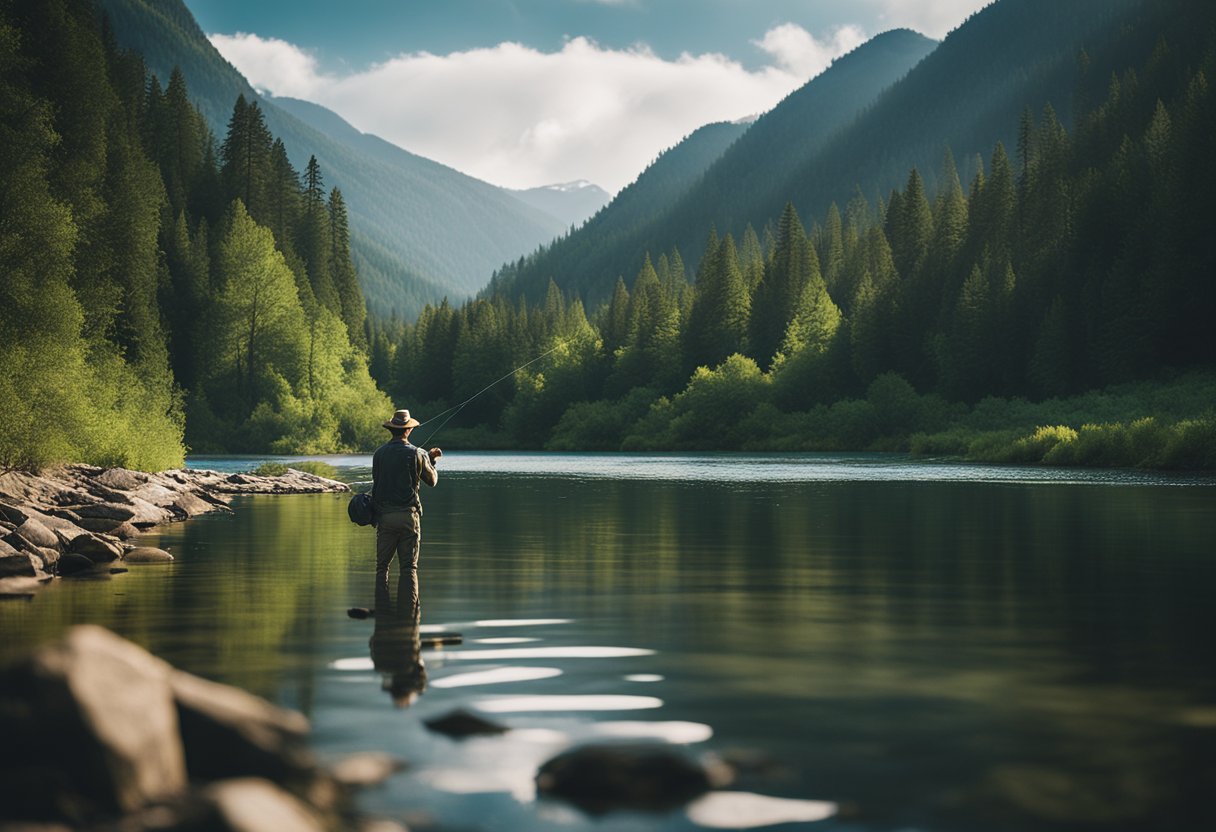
398 469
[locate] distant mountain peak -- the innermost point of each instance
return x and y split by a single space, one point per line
571 202
567 187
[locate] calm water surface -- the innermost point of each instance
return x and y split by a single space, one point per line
929 645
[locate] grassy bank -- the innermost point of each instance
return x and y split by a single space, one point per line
1167 424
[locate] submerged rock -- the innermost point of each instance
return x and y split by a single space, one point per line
72 564
601 778
461 724
147 554
367 769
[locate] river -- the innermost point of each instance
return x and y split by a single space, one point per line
928 645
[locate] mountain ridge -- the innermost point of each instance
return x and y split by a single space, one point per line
421 230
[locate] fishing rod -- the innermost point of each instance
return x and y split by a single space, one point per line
459 407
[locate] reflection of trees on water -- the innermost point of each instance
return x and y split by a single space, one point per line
995 640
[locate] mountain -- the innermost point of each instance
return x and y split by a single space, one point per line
615 228
970 93
420 230
570 202
774 144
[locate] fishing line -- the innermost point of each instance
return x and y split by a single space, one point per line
459 407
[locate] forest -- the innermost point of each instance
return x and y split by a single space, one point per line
1081 262
168 290
162 290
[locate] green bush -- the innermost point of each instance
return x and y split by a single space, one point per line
270 469
317 468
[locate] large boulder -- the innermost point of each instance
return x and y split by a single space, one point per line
90 730
105 511
19 565
228 732
256 805
96 548
38 534
120 479
602 778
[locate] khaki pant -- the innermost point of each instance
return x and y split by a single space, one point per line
398 533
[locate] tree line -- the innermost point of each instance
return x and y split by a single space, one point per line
152 273
1080 261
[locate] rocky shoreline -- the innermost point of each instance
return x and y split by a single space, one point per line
101 735
78 519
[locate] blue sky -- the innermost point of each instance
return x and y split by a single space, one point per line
528 92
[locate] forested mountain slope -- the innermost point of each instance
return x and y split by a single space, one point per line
571 202
969 94
570 260
420 230
766 152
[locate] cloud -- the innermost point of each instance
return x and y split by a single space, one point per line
270 64
520 117
797 51
934 18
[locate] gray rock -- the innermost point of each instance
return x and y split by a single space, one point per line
7 551
37 534
147 554
100 525
228 732
105 511
602 778
19 588
49 558
192 505
125 531
19 565
461 724
120 479
70 564
149 514
96 548
12 514
92 714
256 805
367 769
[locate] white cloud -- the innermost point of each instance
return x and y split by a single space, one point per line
797 51
934 18
270 64
519 117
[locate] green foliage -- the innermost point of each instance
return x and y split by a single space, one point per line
709 412
270 469
144 281
317 468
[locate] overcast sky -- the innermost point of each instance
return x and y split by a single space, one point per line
533 92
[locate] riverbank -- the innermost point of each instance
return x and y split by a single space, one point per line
78 519
1167 424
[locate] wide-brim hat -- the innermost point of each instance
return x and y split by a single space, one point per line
401 420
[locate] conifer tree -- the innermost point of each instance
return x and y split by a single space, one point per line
245 158
346 281
718 322
793 265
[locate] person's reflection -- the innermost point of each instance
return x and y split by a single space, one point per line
395 644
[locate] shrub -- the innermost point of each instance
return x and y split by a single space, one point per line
270 469
316 467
